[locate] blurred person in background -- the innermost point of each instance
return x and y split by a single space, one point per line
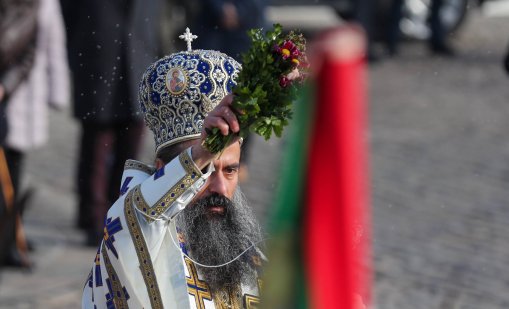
18 34
438 39
364 14
46 85
223 25
110 43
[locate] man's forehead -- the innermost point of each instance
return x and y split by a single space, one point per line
231 155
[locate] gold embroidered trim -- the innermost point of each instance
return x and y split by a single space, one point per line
178 140
137 165
146 268
251 301
119 297
188 163
192 175
228 298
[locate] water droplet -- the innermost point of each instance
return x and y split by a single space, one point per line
98 46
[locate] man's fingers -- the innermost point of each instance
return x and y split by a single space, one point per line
229 116
217 122
222 117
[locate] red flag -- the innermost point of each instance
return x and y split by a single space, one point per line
336 229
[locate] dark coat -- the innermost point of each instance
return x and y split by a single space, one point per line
212 35
111 43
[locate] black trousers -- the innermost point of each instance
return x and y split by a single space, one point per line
12 242
103 152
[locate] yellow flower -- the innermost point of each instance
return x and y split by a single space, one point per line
295 61
285 52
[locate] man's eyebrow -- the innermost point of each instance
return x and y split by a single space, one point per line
233 165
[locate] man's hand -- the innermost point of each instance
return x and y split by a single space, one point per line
222 117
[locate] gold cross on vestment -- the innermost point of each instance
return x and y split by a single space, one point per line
196 287
188 37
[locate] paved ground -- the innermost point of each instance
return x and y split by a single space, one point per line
440 174
440 170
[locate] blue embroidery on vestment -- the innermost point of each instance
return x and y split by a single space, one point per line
159 173
98 276
110 303
125 185
112 227
90 280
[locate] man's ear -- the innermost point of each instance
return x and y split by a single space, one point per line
159 163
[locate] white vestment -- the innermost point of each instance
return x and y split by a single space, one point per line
138 264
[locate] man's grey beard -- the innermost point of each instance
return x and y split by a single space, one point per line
214 239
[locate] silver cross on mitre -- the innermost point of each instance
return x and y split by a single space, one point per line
188 37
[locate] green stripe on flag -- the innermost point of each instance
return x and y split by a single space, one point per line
285 285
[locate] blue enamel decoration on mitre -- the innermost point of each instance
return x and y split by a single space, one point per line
179 90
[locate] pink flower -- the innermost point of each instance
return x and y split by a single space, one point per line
289 45
293 75
288 50
284 82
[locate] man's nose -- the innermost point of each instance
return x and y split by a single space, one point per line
217 184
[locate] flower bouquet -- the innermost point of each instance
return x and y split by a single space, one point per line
266 86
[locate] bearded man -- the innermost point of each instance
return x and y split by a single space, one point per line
181 235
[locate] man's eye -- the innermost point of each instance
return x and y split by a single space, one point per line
231 170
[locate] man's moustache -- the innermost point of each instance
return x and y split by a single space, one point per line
216 201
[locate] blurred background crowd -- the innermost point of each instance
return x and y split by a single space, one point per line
86 59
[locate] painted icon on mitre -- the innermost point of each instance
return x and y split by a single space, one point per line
176 81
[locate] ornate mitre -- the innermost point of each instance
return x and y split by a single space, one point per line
179 90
